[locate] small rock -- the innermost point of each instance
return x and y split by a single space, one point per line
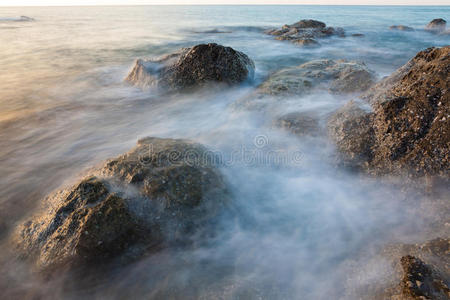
401 28
436 26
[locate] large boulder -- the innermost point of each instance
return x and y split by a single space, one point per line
193 67
436 25
410 119
157 195
305 30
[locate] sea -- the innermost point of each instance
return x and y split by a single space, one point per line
65 108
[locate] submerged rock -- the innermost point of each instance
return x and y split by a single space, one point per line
299 123
159 194
193 67
305 30
338 76
306 42
436 25
410 120
401 28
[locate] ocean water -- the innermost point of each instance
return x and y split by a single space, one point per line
64 107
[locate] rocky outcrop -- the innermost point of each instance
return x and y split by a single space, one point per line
436 26
305 30
192 68
306 42
351 129
410 272
336 76
401 28
421 281
299 123
157 195
410 118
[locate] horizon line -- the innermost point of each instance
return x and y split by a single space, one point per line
224 4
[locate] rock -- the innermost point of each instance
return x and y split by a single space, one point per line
410 121
284 38
351 130
299 123
276 31
436 25
339 76
401 28
26 19
159 194
309 24
420 281
193 67
306 42
305 30
212 31
409 271
336 76
358 35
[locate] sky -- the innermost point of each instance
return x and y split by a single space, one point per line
159 2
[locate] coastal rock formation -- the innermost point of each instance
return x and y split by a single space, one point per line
193 67
299 123
339 76
413 271
351 129
306 42
159 194
336 76
401 28
420 281
305 30
436 26
410 118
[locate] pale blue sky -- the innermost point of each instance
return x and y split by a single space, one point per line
141 2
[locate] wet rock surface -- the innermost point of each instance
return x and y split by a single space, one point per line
401 28
436 26
299 123
157 195
305 30
351 130
413 271
420 281
192 68
410 118
338 76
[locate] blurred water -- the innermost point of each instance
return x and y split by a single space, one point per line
64 107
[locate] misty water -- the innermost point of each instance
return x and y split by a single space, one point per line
64 108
